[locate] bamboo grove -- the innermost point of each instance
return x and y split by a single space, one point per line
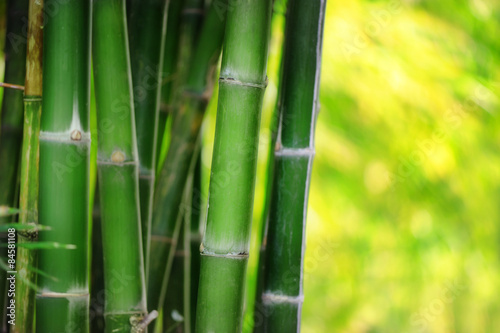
101 164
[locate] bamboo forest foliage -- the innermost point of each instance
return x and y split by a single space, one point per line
402 230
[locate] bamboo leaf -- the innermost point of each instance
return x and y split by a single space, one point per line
44 246
8 211
23 227
5 267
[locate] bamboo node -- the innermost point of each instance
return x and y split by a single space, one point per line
117 156
272 298
232 255
29 234
233 81
76 135
139 323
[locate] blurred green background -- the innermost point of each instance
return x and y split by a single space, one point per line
403 224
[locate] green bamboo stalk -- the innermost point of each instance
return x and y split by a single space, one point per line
12 104
185 133
11 123
117 160
279 10
97 291
183 282
28 201
194 239
175 317
191 17
224 251
64 168
147 27
169 75
282 295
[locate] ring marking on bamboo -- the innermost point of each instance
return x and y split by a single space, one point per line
66 137
132 313
308 152
53 294
32 99
101 161
270 298
233 81
239 256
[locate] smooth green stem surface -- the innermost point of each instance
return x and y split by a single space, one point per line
118 170
194 239
277 19
224 251
146 26
28 201
190 17
169 75
64 169
97 291
11 124
174 314
179 160
12 104
282 295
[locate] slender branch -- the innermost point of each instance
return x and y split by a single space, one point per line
11 86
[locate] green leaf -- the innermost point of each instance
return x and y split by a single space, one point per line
23 227
7 211
5 267
44 246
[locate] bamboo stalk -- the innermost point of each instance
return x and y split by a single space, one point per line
97 291
282 295
11 122
28 201
147 27
224 251
175 316
185 133
194 240
125 304
64 169
169 75
278 12
191 15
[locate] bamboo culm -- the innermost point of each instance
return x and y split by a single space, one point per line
64 169
269 174
185 133
194 239
169 73
146 26
285 239
97 291
118 170
28 200
11 133
224 251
